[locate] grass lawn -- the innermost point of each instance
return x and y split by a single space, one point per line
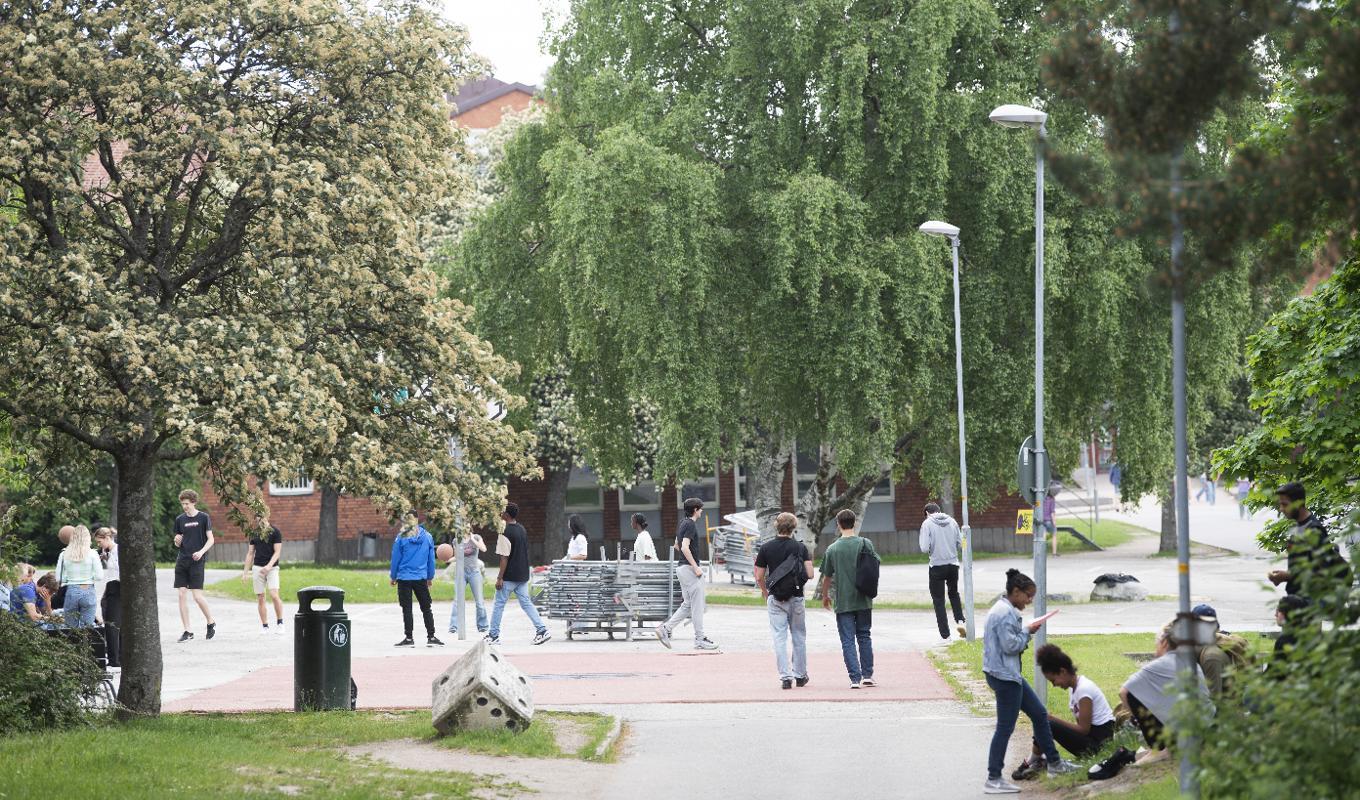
234 755
1108 533
360 585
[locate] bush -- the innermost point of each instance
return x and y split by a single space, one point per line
1293 730
42 678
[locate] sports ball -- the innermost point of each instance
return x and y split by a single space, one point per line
444 552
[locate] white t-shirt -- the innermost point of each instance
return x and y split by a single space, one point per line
643 548
578 546
1100 707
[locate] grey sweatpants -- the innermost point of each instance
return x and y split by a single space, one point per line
692 607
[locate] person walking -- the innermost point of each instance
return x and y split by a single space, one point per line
111 593
691 577
1004 639
578 546
1312 558
643 548
263 551
78 571
412 572
854 609
513 577
1050 509
471 577
194 538
783 565
1242 490
941 540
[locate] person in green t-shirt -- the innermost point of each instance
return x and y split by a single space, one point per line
854 611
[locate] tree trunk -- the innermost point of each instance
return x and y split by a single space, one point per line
1168 542
765 482
555 513
139 691
328 527
946 498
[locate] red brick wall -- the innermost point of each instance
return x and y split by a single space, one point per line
911 496
296 516
488 115
727 491
611 516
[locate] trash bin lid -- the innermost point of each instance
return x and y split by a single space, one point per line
333 593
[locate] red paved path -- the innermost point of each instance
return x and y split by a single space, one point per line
563 679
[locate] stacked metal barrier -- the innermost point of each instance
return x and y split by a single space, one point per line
738 548
611 596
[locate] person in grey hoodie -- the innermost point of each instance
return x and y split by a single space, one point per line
941 540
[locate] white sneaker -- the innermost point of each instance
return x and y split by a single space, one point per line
1000 786
705 644
867 682
854 685
278 630
663 636
1062 767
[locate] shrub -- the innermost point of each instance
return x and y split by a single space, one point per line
42 678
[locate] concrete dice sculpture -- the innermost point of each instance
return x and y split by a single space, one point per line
482 691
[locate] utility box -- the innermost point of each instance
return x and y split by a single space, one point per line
482 691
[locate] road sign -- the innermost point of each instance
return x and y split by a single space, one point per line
1024 522
1031 489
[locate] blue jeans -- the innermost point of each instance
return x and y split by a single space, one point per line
472 578
785 616
1011 699
853 626
78 612
520 589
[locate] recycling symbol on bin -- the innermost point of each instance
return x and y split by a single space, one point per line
339 634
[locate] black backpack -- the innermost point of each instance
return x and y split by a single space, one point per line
866 571
787 579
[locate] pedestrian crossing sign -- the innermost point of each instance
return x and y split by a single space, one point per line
1024 522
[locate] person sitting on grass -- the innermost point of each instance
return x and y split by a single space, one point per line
23 597
1004 638
1094 719
1150 696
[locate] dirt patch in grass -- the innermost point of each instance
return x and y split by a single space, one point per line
548 778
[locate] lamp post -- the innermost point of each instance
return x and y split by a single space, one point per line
1013 116
950 232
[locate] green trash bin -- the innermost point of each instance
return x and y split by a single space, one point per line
321 638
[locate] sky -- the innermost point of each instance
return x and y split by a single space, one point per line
507 33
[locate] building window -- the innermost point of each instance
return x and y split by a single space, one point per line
583 490
297 484
705 488
739 480
645 496
804 472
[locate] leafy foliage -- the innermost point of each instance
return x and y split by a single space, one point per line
43 679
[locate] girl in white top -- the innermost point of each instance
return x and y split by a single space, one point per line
79 569
1093 723
643 548
580 544
110 593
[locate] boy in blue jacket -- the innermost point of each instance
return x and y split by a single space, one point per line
413 572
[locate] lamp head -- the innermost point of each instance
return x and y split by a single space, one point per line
1013 116
936 228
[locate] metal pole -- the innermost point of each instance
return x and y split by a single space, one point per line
670 586
1094 459
963 452
1040 532
459 602
1185 653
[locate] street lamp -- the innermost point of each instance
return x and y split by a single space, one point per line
1013 116
950 232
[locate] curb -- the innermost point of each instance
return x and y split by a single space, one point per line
608 740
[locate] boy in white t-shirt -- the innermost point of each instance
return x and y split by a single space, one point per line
1093 718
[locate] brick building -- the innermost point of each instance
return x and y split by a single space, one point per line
481 104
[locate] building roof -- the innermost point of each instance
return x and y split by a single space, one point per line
484 90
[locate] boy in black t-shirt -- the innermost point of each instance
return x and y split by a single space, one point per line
783 565
263 551
194 538
691 577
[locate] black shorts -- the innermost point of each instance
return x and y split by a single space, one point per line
188 573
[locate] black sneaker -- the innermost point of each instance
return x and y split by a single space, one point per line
407 642
212 629
186 636
786 683
800 682
431 641
1111 766
1030 768
542 636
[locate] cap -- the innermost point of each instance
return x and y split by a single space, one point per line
1204 610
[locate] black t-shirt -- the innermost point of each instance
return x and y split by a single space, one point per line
517 568
774 552
1310 550
688 530
195 532
264 548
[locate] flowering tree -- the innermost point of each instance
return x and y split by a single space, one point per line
215 255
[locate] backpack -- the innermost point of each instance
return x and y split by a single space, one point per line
866 571
787 579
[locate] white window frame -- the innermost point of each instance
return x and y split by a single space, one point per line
599 491
717 489
626 506
299 485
